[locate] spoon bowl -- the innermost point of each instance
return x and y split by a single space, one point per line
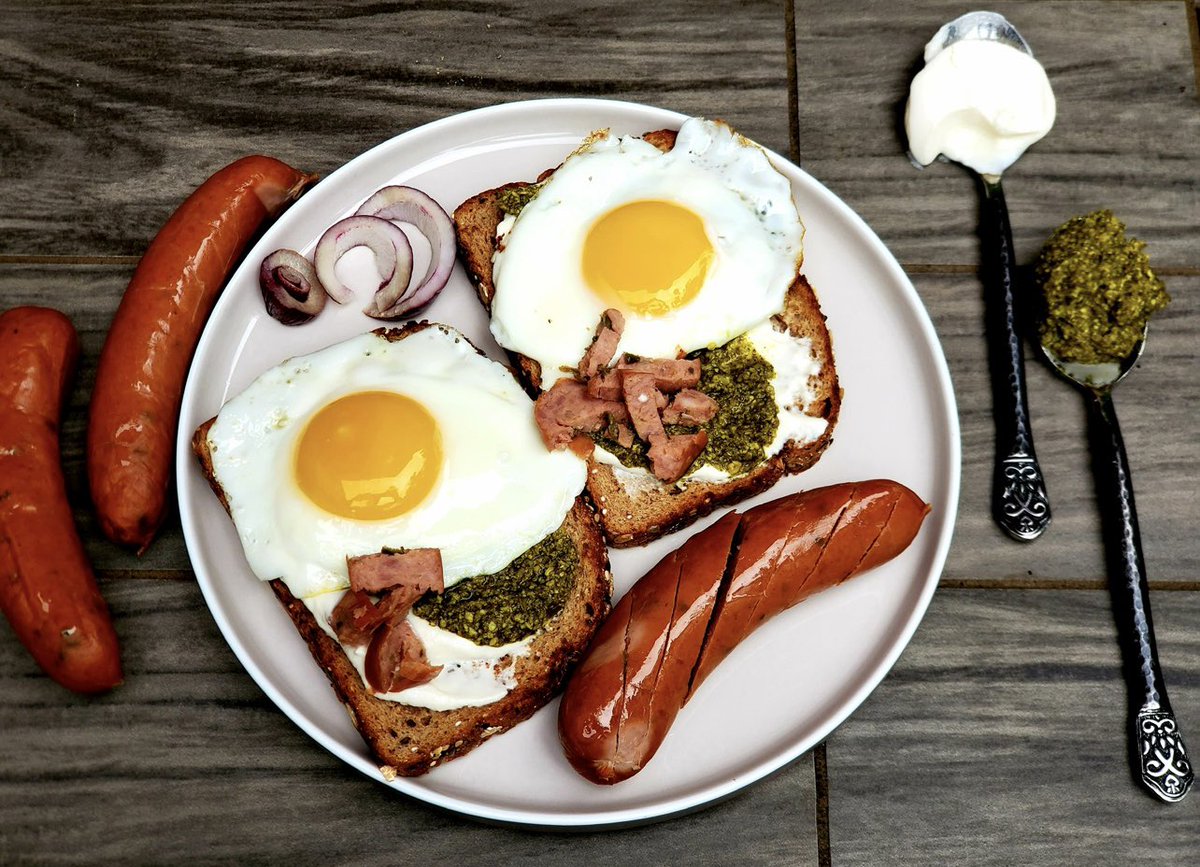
1097 376
976 25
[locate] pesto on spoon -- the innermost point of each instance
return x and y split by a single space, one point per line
1099 293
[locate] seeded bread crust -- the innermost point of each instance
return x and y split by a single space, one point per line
409 741
643 513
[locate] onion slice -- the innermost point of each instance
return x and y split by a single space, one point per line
393 259
290 287
409 205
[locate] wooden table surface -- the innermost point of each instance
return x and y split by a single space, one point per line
1000 735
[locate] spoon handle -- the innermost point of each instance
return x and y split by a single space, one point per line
1020 505
1164 765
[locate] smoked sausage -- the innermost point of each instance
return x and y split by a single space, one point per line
47 589
685 615
139 383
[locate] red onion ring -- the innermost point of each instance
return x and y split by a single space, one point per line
290 287
393 260
409 205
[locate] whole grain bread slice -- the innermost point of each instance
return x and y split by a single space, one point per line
408 740
634 514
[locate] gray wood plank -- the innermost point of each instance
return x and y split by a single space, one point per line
1127 134
1157 410
111 114
189 761
1000 738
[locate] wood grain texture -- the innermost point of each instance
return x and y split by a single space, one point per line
189 761
1127 135
110 114
1000 738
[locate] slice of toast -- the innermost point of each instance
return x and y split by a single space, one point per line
639 514
408 740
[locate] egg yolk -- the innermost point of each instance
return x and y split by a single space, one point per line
369 456
648 257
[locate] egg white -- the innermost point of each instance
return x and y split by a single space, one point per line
499 491
543 307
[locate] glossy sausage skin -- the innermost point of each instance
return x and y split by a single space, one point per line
47 589
682 618
139 384
625 694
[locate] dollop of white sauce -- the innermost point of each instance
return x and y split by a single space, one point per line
979 102
472 674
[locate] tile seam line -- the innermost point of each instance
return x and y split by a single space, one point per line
1191 10
1073 584
954 268
165 574
821 771
789 29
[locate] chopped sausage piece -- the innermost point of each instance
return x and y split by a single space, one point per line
690 407
418 568
670 374
605 385
582 445
604 346
620 433
671 457
399 578
355 618
641 399
396 659
566 409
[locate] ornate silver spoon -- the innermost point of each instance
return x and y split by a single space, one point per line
1165 768
1019 503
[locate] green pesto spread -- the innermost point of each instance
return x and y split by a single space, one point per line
511 604
512 200
1097 288
738 378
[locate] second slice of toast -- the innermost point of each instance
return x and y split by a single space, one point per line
636 514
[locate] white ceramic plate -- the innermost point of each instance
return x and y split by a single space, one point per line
792 682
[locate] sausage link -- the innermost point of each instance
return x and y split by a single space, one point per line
47 589
684 616
139 383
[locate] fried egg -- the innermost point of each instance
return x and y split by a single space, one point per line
372 443
695 246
